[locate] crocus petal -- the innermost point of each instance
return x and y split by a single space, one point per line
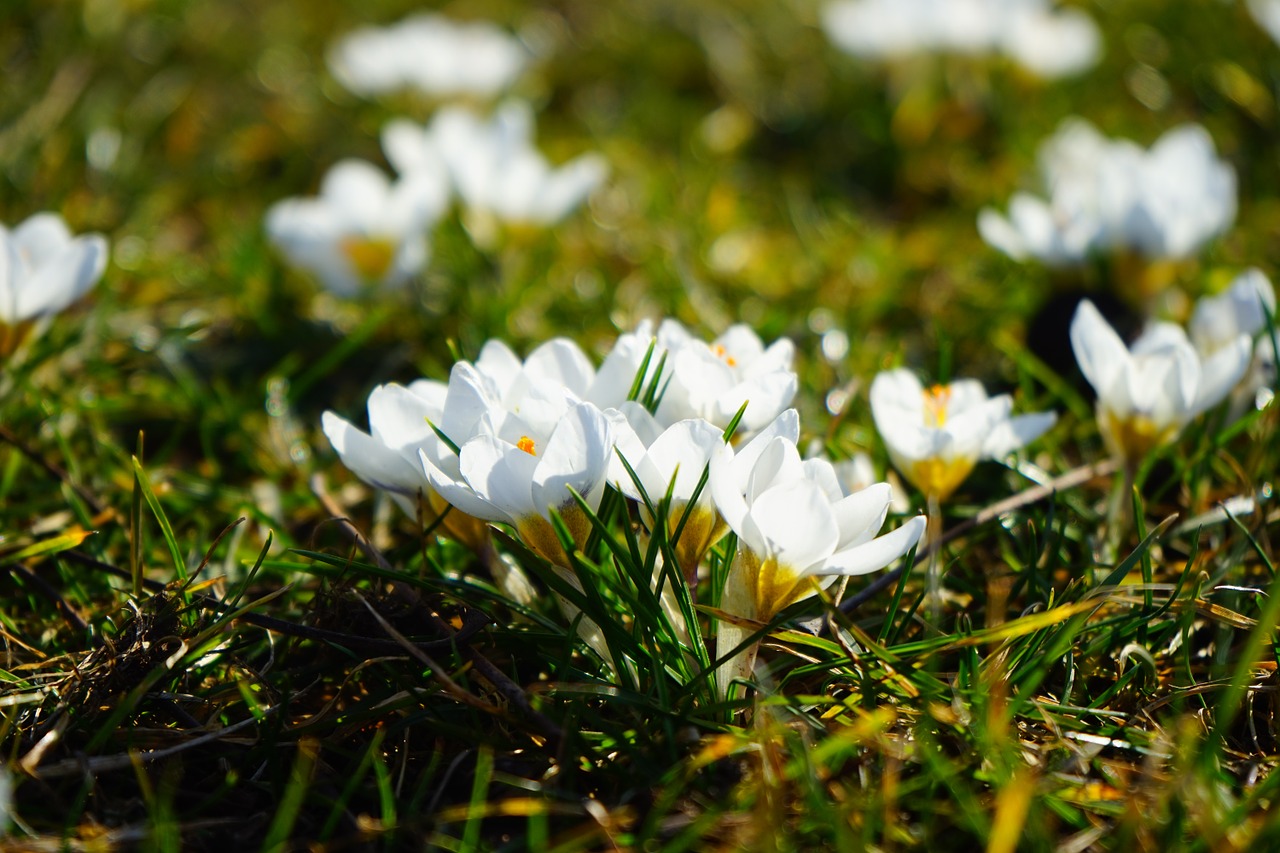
1000 234
1101 354
470 395
560 361
458 493
499 473
577 457
400 418
1221 372
370 459
683 452
499 362
63 278
629 446
860 516
797 523
727 487
969 429
765 396
876 554
1013 433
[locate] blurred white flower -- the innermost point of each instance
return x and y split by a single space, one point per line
386 457
43 269
493 164
703 380
431 53
857 473
1047 41
1112 195
1148 392
362 230
1242 309
1267 14
937 435
797 531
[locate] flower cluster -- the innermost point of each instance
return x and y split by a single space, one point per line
429 53
1047 41
1107 195
43 269
535 443
366 230
492 163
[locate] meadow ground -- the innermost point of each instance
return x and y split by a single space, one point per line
214 634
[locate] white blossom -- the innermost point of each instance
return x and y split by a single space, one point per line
363 230
1046 40
493 165
937 435
1148 392
797 531
430 53
43 269
1106 195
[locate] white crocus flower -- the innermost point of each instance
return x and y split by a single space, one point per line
523 438
524 444
493 164
386 457
1046 40
522 479
703 380
935 436
43 269
1104 195
1148 392
362 230
1242 309
797 531
712 381
430 53
671 461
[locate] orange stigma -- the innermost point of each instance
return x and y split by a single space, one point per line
721 353
526 444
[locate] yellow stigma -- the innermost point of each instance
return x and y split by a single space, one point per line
526 444
721 353
371 256
936 400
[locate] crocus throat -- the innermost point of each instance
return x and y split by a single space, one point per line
526 444
936 400
370 256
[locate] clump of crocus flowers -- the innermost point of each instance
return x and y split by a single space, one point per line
701 438
534 444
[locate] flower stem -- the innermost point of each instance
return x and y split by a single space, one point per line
933 540
1118 515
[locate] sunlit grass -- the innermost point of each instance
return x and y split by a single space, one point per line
175 679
